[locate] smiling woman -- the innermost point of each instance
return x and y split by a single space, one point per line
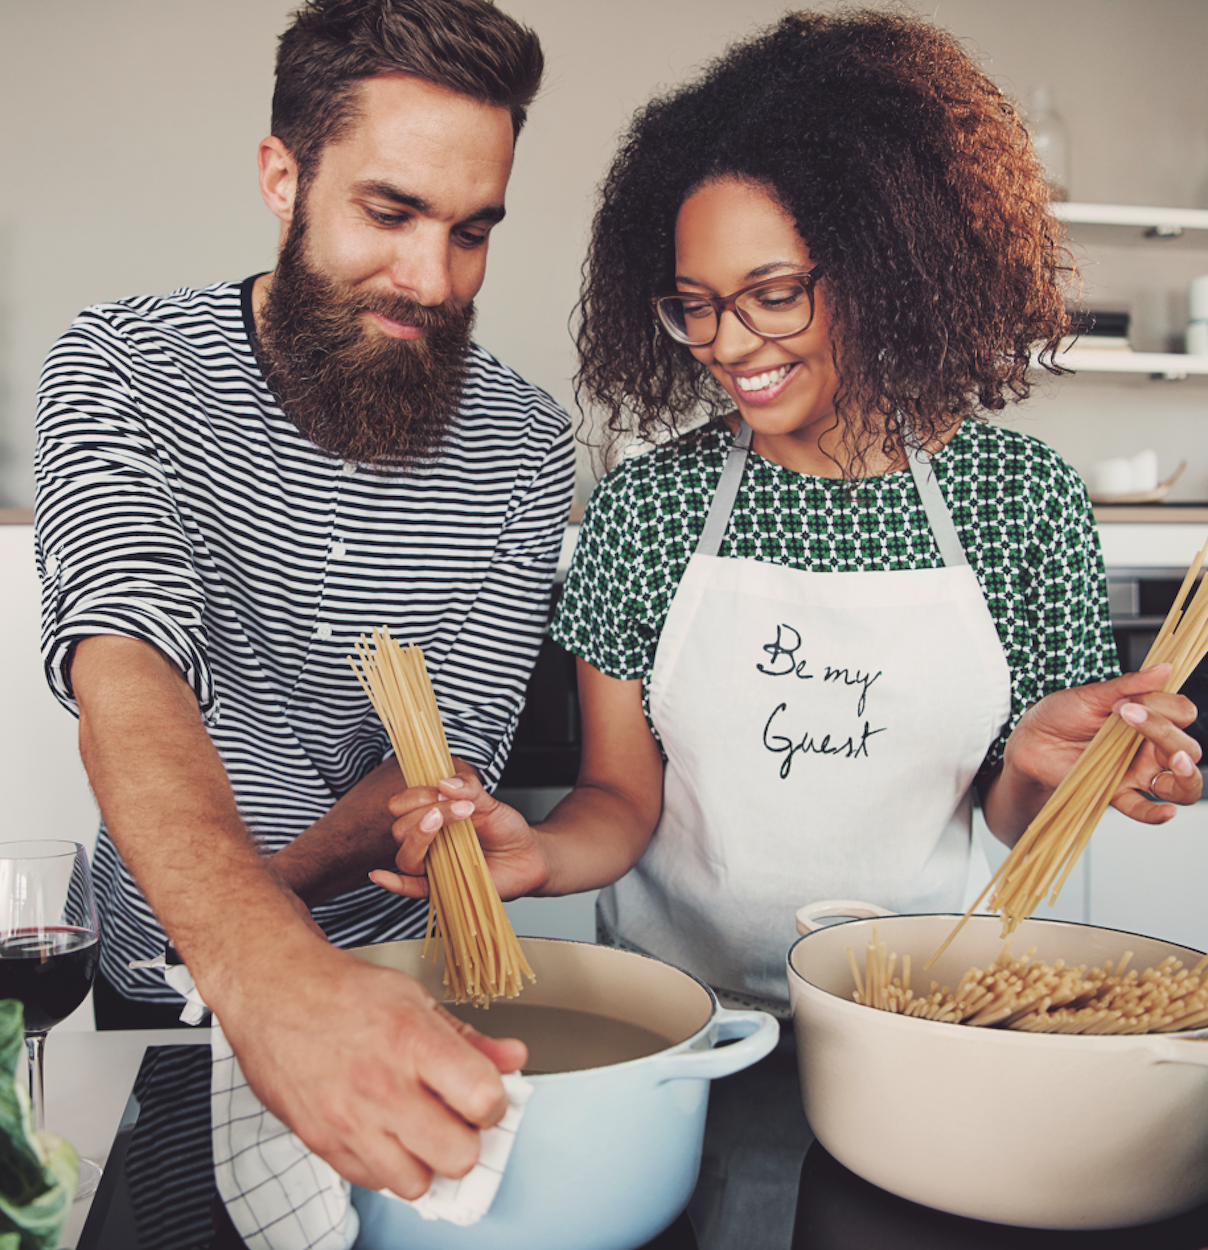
847 494
811 628
899 165
847 489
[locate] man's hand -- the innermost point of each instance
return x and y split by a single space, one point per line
338 851
348 842
365 1066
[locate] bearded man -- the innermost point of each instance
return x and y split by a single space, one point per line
233 484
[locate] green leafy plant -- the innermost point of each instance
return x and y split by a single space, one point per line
38 1171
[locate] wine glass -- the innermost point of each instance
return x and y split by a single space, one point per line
49 944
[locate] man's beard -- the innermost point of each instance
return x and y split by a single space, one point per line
354 392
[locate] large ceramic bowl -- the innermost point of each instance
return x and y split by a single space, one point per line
1042 1130
605 1157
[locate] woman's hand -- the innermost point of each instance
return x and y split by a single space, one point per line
512 849
591 839
1053 733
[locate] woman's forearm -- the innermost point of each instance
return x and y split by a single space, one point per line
343 846
599 831
592 838
1010 801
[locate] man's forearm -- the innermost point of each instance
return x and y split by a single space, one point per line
168 805
340 849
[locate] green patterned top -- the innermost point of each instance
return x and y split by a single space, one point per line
1021 513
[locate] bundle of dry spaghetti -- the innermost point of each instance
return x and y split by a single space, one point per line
1042 859
483 959
1043 998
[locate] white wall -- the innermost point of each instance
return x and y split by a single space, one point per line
127 159
42 781
45 792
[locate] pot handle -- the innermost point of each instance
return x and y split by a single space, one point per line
811 913
757 1032
1187 1049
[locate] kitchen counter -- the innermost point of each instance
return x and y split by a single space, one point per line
88 1081
89 1077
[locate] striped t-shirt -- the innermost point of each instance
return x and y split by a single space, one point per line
177 504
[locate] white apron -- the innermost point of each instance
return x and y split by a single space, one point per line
822 733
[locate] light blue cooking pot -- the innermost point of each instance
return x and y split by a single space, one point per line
605 1158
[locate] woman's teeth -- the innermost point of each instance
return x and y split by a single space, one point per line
763 380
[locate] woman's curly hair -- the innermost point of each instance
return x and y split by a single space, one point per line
907 174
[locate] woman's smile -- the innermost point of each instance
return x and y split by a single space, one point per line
763 387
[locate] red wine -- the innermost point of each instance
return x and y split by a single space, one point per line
48 972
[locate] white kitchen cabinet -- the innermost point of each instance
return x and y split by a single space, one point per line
1151 880
45 790
1117 403
1170 366
569 916
1110 221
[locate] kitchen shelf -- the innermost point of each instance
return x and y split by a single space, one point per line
1167 365
1166 513
1124 224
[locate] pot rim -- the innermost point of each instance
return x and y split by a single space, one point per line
891 1019
685 1044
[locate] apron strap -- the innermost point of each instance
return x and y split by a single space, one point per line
726 493
943 528
938 515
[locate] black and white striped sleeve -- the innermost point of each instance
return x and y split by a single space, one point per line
111 550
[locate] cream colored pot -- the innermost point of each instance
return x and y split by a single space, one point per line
1041 1130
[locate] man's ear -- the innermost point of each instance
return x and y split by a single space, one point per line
278 178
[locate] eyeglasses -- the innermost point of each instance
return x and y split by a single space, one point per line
776 308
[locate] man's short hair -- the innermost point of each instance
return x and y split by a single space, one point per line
466 46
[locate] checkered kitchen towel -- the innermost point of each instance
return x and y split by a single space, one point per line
282 1196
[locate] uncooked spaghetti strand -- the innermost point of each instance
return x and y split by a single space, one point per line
1065 842
1196 643
1075 853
